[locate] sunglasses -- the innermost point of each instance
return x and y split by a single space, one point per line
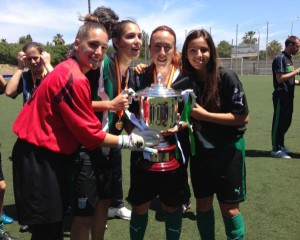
32 58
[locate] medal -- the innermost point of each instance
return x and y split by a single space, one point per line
119 125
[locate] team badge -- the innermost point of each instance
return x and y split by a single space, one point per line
81 202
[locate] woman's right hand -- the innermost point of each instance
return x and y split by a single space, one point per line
120 102
140 68
21 60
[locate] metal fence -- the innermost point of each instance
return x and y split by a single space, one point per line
243 66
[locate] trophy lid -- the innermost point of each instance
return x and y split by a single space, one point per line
158 90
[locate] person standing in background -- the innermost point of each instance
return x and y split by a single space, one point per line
39 65
284 83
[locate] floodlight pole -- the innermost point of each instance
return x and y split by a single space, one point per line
293 25
89 5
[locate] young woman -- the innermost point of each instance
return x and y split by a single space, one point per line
116 76
146 185
63 119
219 119
38 63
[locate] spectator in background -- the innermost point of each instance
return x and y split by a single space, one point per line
3 218
284 83
39 65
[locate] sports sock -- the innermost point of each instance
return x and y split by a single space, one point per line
173 222
234 227
138 225
206 224
1 227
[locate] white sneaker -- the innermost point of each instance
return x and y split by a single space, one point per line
286 150
279 154
122 212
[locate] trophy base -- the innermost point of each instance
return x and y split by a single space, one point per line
164 166
164 160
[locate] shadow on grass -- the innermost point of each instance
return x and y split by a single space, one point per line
257 153
159 214
263 153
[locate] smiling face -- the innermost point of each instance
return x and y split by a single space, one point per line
162 48
198 53
130 42
91 50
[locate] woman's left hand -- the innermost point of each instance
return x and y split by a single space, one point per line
199 113
171 131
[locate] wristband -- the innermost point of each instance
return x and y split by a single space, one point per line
123 141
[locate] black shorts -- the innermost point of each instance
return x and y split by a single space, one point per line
92 180
41 183
146 185
1 172
220 171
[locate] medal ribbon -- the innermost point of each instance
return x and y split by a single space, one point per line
34 78
119 79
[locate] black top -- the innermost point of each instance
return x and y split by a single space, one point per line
232 99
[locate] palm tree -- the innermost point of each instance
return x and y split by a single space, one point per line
274 47
249 38
58 39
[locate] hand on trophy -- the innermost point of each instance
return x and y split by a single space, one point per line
151 137
133 142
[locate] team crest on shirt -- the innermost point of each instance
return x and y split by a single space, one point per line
81 202
238 98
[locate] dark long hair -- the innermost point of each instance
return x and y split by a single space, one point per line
210 94
118 29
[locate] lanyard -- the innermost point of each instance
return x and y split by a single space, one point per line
34 78
119 124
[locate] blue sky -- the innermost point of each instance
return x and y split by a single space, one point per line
226 20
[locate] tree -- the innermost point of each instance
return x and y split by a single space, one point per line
144 54
58 39
224 49
25 39
262 54
3 40
249 38
273 48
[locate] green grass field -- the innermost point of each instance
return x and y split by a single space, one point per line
271 210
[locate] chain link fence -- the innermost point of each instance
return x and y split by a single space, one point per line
243 66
